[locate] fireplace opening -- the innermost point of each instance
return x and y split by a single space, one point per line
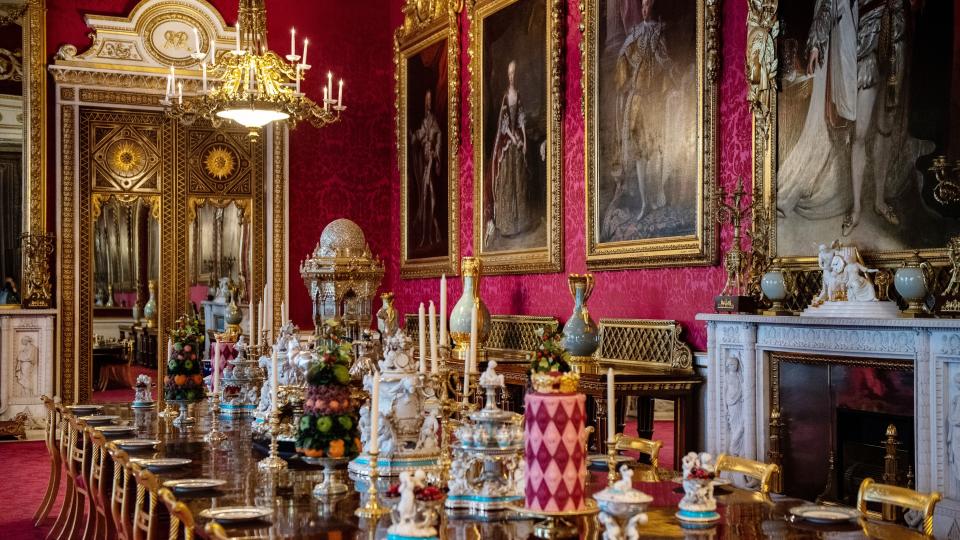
861 450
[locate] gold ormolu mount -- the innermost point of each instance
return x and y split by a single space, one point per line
735 298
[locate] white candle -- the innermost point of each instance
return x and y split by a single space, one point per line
196 38
444 340
293 43
330 85
216 368
213 52
466 379
256 338
611 415
306 42
238 36
169 348
283 313
180 93
273 382
340 94
204 75
170 80
375 414
298 77
326 102
434 366
422 329
473 337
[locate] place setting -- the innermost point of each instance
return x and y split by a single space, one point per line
161 464
819 517
137 445
100 419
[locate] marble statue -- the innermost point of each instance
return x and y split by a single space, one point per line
27 363
733 399
953 433
847 288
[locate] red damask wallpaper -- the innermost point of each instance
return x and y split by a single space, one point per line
678 293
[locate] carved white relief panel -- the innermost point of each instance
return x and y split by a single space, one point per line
26 364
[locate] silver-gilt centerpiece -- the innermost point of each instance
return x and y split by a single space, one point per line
241 382
486 475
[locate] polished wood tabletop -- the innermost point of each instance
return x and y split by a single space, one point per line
296 514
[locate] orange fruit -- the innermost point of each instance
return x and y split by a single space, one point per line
336 448
180 380
198 379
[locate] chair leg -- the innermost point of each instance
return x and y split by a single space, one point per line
70 527
53 487
90 527
61 521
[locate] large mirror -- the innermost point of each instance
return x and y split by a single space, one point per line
14 186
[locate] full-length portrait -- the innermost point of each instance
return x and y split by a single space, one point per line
427 147
866 102
647 176
518 178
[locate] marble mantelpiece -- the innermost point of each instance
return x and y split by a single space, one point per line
27 361
738 391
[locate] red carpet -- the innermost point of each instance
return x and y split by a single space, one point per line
26 469
125 395
662 431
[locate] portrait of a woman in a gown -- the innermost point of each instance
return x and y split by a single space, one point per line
509 169
852 146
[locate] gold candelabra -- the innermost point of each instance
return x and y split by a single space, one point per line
612 475
273 462
215 436
373 509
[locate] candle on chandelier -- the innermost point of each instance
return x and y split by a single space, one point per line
434 366
611 414
273 382
340 94
257 339
213 52
375 414
330 85
326 102
170 79
297 68
306 42
196 38
422 330
293 43
238 36
443 311
180 93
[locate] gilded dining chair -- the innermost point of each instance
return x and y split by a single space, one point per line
50 438
886 494
146 508
215 531
59 526
99 523
647 447
77 463
764 473
181 519
121 493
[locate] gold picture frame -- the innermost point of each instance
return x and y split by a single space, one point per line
765 37
548 256
698 247
429 26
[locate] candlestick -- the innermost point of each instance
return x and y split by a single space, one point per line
444 339
273 382
340 94
422 331
238 37
273 462
611 415
298 67
180 93
293 43
306 42
372 509
434 363
375 418
214 436
196 39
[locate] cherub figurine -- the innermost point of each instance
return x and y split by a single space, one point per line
490 377
625 483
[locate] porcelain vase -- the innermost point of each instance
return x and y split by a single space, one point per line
150 308
911 282
580 334
462 314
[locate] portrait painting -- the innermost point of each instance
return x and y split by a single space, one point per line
428 156
516 138
867 100
646 130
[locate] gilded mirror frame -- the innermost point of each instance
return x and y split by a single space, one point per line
763 79
425 25
700 247
549 257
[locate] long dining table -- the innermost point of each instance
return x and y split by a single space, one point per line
297 514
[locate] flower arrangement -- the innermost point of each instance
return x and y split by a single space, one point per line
184 380
329 425
550 370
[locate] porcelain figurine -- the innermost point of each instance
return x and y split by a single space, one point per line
580 333
462 314
622 508
698 508
847 289
408 427
241 382
410 518
388 321
142 395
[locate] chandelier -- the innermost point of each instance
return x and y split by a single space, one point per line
250 84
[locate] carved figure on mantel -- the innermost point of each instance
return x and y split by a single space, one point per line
824 260
223 291
859 285
733 399
27 361
848 290
953 435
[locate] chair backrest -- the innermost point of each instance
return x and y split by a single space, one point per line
871 491
644 446
215 531
765 473
145 509
121 492
99 467
50 429
649 344
79 461
181 519
63 429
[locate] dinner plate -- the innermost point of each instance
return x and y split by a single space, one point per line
136 444
236 514
115 430
816 513
100 419
162 463
194 484
84 409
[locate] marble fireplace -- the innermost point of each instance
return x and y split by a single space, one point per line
838 383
